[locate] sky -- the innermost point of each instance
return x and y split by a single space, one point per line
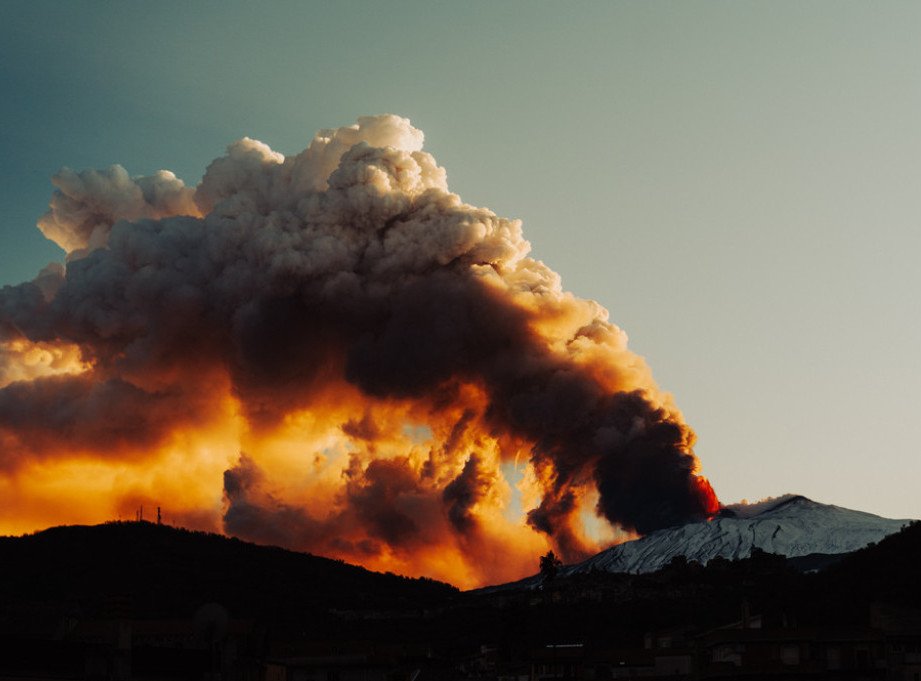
736 183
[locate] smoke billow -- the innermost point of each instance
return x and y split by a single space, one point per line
386 356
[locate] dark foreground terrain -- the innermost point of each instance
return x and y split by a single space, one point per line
144 601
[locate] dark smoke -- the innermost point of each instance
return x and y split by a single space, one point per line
346 274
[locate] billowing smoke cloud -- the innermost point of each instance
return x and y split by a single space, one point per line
386 355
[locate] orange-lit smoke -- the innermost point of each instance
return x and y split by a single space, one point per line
331 352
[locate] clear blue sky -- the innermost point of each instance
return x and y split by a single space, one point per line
736 182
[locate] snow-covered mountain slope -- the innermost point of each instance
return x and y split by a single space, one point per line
790 525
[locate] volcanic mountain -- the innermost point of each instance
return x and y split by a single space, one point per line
809 534
791 525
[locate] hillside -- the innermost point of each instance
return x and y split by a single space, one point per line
149 571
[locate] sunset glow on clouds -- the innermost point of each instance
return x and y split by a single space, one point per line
331 352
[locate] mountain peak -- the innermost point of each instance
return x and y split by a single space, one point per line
744 509
791 524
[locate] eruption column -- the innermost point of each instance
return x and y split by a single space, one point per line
332 352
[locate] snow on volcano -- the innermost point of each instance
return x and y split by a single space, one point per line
791 525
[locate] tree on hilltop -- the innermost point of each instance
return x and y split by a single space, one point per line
549 565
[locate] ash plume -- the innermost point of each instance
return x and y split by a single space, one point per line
382 352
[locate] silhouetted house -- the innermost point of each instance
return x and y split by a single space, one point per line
161 649
485 664
347 661
647 663
890 648
557 661
792 653
671 659
901 627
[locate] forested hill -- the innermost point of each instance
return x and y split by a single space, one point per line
157 571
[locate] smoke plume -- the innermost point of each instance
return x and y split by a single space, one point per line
332 352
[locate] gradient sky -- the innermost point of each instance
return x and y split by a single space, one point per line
737 183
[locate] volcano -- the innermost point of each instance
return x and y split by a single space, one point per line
808 533
791 525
